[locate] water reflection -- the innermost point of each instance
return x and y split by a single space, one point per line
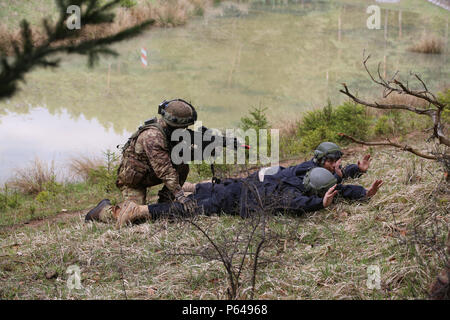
51 137
289 56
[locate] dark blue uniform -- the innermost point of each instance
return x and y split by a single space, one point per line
282 192
350 171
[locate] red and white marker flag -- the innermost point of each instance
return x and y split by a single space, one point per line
144 57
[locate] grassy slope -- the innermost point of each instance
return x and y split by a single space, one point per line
327 258
326 255
17 208
73 197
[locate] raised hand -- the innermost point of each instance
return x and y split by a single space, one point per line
328 197
374 188
363 165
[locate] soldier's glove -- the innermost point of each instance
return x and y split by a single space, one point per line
189 204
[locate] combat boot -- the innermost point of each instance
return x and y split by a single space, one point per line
102 212
129 212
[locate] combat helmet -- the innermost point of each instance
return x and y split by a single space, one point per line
318 180
177 113
327 150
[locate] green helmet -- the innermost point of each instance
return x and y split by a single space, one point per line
177 113
318 180
327 150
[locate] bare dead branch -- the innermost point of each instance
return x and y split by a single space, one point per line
390 143
385 106
255 267
434 109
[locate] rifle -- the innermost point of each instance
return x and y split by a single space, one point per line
201 139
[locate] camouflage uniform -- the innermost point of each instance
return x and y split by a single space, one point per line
146 162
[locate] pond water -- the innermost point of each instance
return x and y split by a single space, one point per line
286 56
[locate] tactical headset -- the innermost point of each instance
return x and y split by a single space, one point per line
162 111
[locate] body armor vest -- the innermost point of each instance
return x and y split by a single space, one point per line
128 149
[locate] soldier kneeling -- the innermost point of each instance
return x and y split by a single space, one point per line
146 161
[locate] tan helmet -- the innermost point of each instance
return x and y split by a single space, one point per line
177 113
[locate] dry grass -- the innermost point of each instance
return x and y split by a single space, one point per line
324 255
34 178
167 13
82 166
289 139
288 127
172 15
428 44
8 38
